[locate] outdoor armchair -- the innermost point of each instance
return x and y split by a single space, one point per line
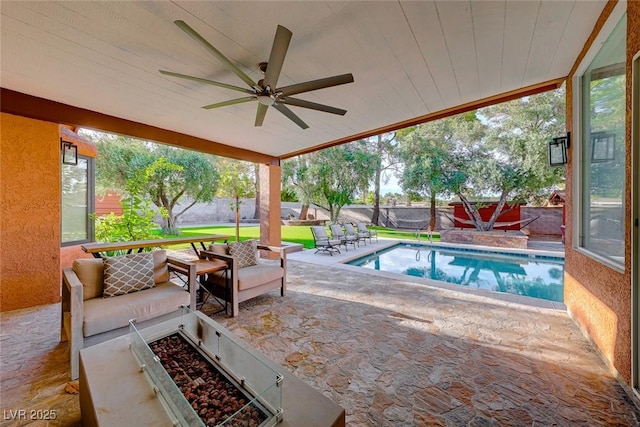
338 234
351 231
247 276
362 228
322 241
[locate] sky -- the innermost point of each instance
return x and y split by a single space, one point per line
390 187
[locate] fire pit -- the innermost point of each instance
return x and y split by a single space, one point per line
203 378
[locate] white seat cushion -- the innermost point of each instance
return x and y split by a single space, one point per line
256 275
106 314
250 277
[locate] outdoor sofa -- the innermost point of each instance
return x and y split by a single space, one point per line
101 295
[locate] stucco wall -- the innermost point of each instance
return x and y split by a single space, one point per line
599 297
29 212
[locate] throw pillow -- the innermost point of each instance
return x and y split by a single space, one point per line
160 269
90 272
126 274
244 252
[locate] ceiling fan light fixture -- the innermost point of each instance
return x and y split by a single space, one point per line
266 100
266 90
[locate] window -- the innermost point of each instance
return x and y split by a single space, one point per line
602 151
77 202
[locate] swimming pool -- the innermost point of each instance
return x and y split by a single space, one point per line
519 274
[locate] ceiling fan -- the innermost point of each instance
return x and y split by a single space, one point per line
265 90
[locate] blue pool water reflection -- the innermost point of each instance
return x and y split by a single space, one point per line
519 274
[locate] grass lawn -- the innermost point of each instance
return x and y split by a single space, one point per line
290 233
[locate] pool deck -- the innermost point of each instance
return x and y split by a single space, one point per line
391 352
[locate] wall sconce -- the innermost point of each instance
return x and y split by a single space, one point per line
558 150
69 153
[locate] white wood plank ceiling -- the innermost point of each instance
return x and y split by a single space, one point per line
408 59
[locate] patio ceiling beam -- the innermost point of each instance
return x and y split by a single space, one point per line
474 105
21 104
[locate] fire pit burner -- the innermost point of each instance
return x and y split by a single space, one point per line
202 376
211 395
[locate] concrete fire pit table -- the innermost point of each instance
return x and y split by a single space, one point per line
115 390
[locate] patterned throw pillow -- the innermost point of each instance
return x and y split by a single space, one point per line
127 274
244 252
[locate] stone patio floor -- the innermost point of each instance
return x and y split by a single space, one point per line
391 351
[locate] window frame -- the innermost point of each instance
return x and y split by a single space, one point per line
577 147
90 229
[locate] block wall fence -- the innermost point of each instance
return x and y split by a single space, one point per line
406 217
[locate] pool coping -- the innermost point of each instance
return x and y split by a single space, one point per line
506 297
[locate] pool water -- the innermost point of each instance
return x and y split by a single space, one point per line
518 274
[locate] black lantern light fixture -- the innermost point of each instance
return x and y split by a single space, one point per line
69 153
558 148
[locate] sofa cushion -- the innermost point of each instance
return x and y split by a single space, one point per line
127 274
90 272
256 275
106 314
244 252
160 266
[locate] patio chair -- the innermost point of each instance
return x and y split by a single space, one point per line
351 231
322 241
247 275
338 234
362 228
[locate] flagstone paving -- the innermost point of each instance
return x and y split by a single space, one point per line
395 353
391 352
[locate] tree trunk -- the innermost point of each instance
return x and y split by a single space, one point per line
472 212
498 210
375 218
170 225
432 208
304 211
334 212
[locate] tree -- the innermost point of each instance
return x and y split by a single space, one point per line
517 136
498 151
330 178
383 146
434 156
137 219
236 181
297 180
171 173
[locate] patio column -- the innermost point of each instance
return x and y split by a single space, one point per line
270 176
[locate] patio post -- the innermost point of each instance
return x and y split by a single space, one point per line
270 205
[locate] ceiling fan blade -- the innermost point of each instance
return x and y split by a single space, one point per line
276 58
262 111
209 82
197 37
230 102
315 85
312 105
290 114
